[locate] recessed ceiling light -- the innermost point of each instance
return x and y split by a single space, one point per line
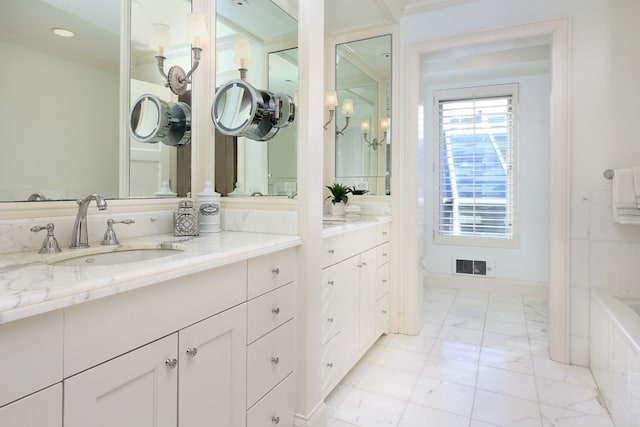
63 32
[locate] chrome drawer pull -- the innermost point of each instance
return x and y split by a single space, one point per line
192 351
275 360
275 270
275 310
330 320
384 311
275 420
384 254
384 233
330 282
171 363
330 365
331 251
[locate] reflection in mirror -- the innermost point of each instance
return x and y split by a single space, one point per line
64 99
152 164
264 168
363 148
154 120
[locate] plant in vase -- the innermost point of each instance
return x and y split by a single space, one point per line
339 198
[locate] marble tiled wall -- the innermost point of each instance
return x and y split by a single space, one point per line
604 255
15 235
615 364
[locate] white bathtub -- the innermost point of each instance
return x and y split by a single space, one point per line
615 354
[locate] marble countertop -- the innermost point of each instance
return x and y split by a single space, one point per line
29 286
333 226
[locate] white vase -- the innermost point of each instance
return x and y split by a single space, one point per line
337 209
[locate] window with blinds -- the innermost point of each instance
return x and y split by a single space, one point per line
476 164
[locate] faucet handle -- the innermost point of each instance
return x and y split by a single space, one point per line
50 244
110 235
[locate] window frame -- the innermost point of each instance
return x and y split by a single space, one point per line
470 93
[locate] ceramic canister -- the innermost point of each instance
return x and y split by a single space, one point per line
209 211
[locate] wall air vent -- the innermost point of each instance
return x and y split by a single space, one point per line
471 267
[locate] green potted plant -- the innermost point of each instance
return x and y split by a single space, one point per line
339 198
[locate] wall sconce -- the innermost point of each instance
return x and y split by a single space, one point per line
331 102
384 126
177 78
242 56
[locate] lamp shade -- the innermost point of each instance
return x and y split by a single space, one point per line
331 100
160 38
347 107
197 32
242 53
384 124
364 126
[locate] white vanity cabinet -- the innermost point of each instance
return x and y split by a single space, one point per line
355 286
139 388
41 409
271 340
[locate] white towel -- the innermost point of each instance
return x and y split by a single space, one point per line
625 207
636 183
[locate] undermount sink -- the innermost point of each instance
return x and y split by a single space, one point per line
108 255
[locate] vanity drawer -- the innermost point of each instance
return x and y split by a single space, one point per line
331 363
32 355
382 254
383 232
271 271
338 248
382 280
41 409
269 360
382 315
269 311
277 407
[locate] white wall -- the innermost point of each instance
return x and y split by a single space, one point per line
604 109
46 126
528 262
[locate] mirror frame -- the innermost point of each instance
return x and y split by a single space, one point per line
202 154
330 79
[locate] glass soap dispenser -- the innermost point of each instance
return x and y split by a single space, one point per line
209 211
186 219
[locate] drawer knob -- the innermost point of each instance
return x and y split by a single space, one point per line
171 363
384 311
192 351
384 254
384 280
330 320
275 420
331 251
275 270
384 233
330 365
330 282
275 310
275 360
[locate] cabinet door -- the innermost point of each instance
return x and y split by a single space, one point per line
136 389
42 409
212 386
367 298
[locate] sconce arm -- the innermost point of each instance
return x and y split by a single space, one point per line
341 131
195 55
331 113
160 63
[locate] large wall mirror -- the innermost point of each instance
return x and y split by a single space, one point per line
62 99
261 38
363 148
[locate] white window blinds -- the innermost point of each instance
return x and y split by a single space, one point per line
476 162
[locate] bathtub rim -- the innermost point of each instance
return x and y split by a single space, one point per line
626 320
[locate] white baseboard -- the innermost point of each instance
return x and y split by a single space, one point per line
316 418
483 284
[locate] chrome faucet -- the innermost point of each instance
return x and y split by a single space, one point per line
80 237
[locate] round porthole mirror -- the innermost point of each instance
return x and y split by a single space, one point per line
154 120
241 110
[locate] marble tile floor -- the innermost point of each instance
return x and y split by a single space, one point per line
481 360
